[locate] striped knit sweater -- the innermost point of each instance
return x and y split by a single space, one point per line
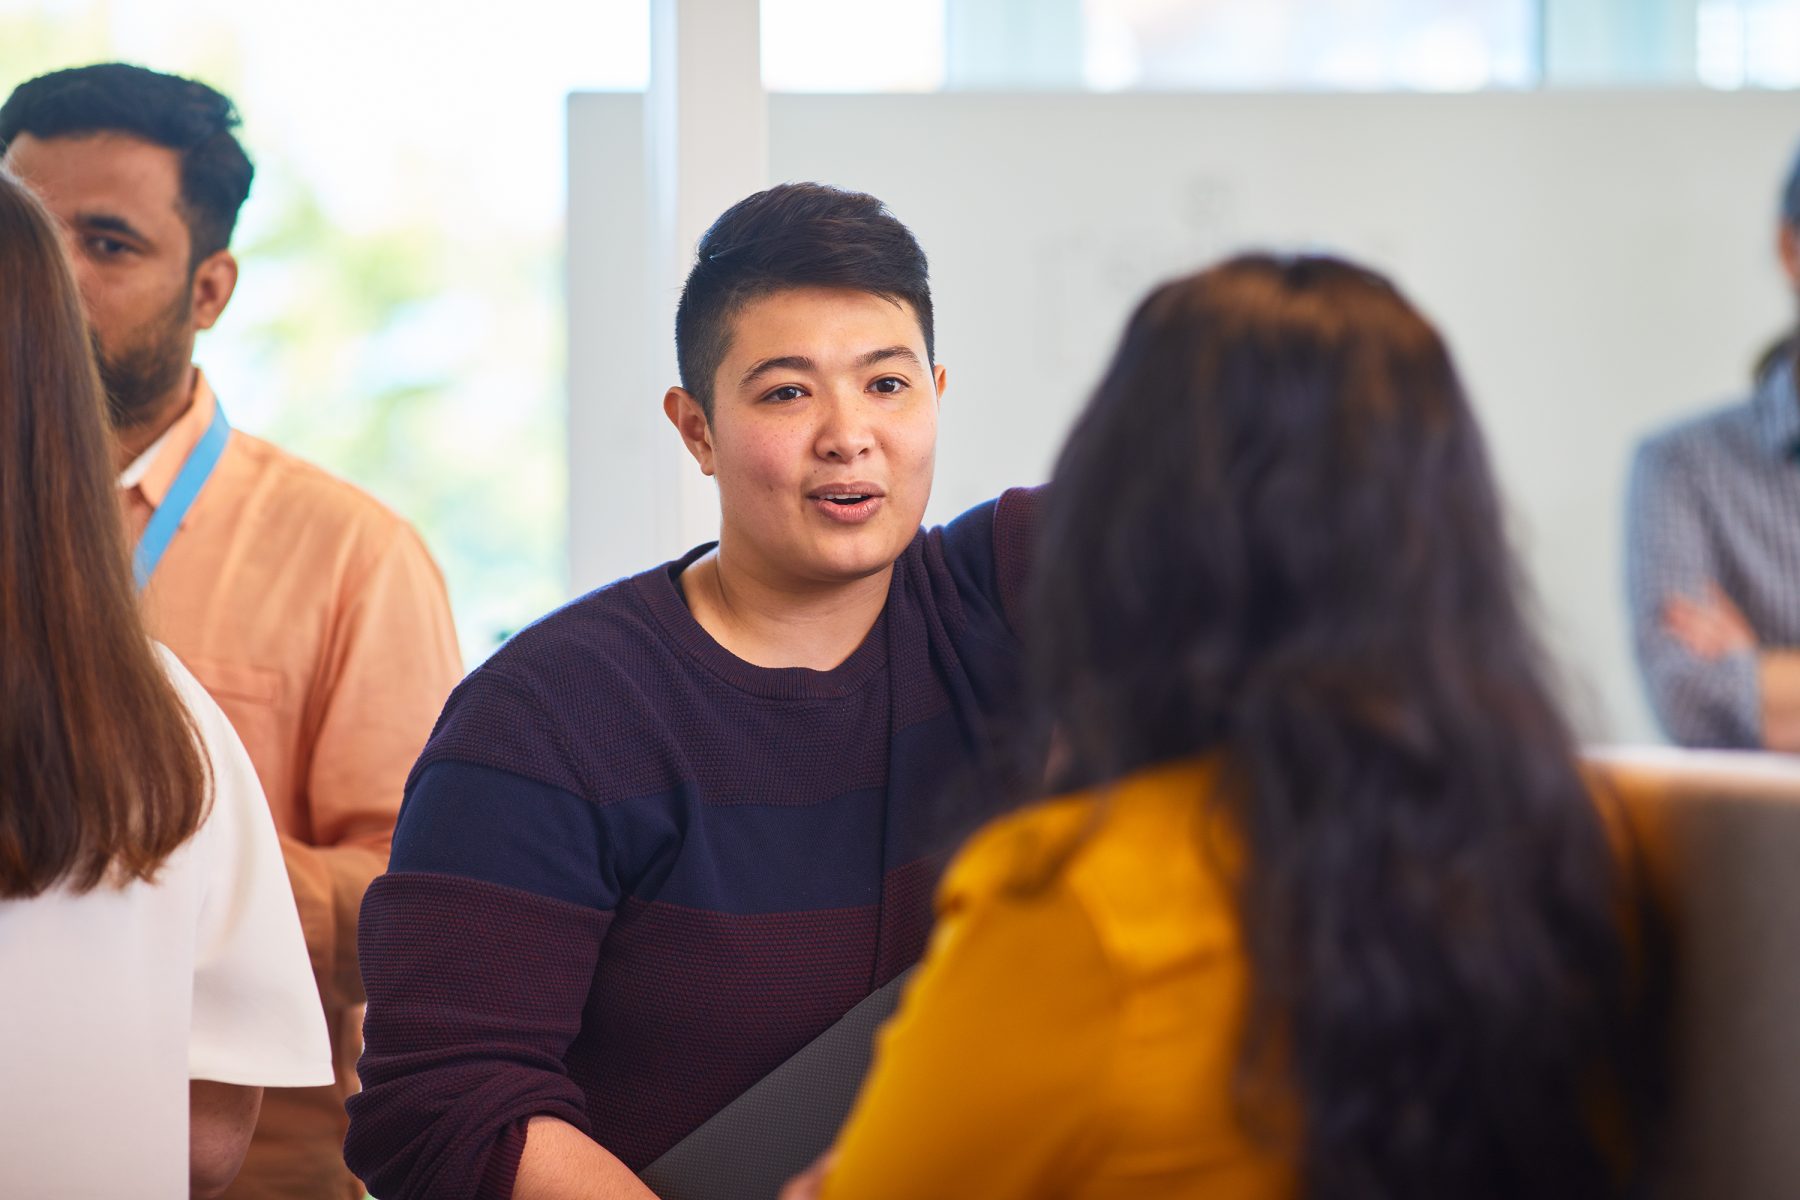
634 873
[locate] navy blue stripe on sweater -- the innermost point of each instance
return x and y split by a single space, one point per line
483 823
462 819
476 822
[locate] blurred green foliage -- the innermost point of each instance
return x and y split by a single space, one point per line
420 360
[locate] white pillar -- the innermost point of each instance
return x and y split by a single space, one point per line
707 140
639 199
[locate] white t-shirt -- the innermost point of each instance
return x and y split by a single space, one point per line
110 1001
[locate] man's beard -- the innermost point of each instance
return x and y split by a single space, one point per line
139 376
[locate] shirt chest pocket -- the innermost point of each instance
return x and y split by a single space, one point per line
255 700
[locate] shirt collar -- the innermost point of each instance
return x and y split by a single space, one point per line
153 471
134 474
1777 404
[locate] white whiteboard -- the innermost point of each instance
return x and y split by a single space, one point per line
1601 264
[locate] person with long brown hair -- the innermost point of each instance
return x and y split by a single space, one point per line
149 947
1323 905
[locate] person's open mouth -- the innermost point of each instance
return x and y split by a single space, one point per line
849 503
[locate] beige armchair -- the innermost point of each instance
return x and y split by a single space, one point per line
1721 834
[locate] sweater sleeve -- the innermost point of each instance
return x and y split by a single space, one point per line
989 552
988 1081
478 949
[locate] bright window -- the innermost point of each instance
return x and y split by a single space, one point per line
1277 45
1749 43
1351 45
1107 45
853 46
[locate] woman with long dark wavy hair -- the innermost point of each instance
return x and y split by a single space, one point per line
151 963
1325 907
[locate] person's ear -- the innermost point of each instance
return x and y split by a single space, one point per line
689 419
1787 243
941 378
214 281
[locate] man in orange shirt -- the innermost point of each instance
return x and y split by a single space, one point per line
314 616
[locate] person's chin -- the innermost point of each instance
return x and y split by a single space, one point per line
132 413
856 558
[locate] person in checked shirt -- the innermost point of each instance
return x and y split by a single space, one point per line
1713 555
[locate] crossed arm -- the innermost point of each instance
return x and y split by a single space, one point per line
1709 677
1712 627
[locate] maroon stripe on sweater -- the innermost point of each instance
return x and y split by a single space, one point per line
475 995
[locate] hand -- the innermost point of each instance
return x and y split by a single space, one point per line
1711 627
810 1183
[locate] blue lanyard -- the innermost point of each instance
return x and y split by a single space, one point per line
174 508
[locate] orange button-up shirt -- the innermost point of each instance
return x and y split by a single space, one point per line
318 621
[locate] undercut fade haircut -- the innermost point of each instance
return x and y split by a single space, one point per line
183 115
795 235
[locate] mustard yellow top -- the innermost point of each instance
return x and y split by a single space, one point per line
1080 1040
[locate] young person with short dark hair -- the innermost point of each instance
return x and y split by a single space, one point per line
676 829
311 613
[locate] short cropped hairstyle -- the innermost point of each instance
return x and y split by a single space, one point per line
183 115
792 236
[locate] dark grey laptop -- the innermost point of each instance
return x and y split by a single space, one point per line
774 1131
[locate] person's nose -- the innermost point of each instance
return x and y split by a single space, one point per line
845 432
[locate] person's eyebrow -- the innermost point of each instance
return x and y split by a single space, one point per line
787 362
888 354
799 362
108 223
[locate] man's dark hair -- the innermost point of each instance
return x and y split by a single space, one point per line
183 115
792 236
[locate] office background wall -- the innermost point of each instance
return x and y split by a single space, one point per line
1601 263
